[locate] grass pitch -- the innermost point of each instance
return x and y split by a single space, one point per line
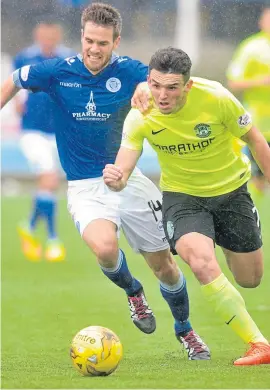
44 305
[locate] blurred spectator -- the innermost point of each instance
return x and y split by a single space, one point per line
38 126
249 74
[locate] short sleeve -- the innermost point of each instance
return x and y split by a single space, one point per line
234 116
133 131
36 77
140 72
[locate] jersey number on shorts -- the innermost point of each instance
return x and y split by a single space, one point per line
155 207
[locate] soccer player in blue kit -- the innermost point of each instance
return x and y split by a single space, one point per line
38 144
92 93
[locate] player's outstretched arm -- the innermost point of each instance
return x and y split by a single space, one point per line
241 85
116 175
259 149
8 90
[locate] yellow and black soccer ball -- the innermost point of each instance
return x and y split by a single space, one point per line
96 351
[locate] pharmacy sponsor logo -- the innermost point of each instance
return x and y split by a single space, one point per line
91 113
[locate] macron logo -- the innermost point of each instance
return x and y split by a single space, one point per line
70 85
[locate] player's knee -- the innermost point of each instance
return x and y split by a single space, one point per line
106 252
201 263
49 181
253 282
200 257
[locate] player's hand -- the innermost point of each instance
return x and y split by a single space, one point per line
113 177
141 98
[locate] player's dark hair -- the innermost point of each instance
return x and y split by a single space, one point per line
171 60
103 15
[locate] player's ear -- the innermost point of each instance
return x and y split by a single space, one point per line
148 80
82 34
116 42
188 85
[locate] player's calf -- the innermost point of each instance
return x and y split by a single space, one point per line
140 312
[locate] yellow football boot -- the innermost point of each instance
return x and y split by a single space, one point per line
31 246
55 251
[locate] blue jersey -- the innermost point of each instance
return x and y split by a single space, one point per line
39 109
91 109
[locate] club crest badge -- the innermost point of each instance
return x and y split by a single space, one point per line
202 130
113 84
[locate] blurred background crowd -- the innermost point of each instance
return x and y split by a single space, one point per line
209 30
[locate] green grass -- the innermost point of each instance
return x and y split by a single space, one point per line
44 305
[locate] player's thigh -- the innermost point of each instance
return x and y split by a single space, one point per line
184 214
39 151
190 231
237 222
141 215
90 200
247 268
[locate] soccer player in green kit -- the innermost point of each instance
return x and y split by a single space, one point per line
249 74
193 126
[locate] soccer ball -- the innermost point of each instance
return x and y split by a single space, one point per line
96 351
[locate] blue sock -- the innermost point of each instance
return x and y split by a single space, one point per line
45 208
35 216
177 299
121 276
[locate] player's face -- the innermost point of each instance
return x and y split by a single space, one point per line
48 37
97 46
169 90
265 21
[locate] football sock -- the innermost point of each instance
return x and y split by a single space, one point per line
177 298
121 276
230 306
44 207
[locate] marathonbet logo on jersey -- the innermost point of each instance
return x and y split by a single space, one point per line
91 113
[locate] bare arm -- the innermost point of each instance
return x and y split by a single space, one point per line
19 105
116 175
241 85
8 90
259 149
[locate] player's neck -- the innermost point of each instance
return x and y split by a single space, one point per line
50 52
93 72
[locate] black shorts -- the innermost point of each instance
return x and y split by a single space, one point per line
255 169
231 220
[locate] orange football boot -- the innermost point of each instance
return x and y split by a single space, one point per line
258 353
